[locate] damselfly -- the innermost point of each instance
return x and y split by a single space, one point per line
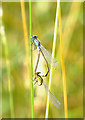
47 56
39 80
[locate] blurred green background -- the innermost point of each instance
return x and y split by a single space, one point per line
43 22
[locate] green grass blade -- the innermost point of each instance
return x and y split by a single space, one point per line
32 92
4 42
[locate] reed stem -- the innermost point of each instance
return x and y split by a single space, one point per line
25 27
4 42
32 92
63 66
53 53
27 48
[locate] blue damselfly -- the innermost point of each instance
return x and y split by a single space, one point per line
47 56
38 77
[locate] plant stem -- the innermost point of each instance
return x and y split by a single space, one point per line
4 42
25 37
24 27
53 53
63 66
68 35
32 92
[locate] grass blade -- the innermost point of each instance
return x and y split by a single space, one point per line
4 42
25 28
53 53
68 35
27 49
32 92
25 36
63 65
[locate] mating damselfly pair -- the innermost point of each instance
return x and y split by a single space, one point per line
49 60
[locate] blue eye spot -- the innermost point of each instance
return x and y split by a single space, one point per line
34 36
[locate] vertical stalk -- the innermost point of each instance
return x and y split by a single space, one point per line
32 92
53 53
4 42
63 66
26 47
1 62
24 27
68 35
25 37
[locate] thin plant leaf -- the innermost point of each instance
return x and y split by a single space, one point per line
4 42
32 92
53 53
63 66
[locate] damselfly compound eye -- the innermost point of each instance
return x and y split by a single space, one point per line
34 36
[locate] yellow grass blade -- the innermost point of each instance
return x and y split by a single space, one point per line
27 49
63 66
72 17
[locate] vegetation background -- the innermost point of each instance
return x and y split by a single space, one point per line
43 22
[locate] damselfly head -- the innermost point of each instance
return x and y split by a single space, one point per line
34 37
